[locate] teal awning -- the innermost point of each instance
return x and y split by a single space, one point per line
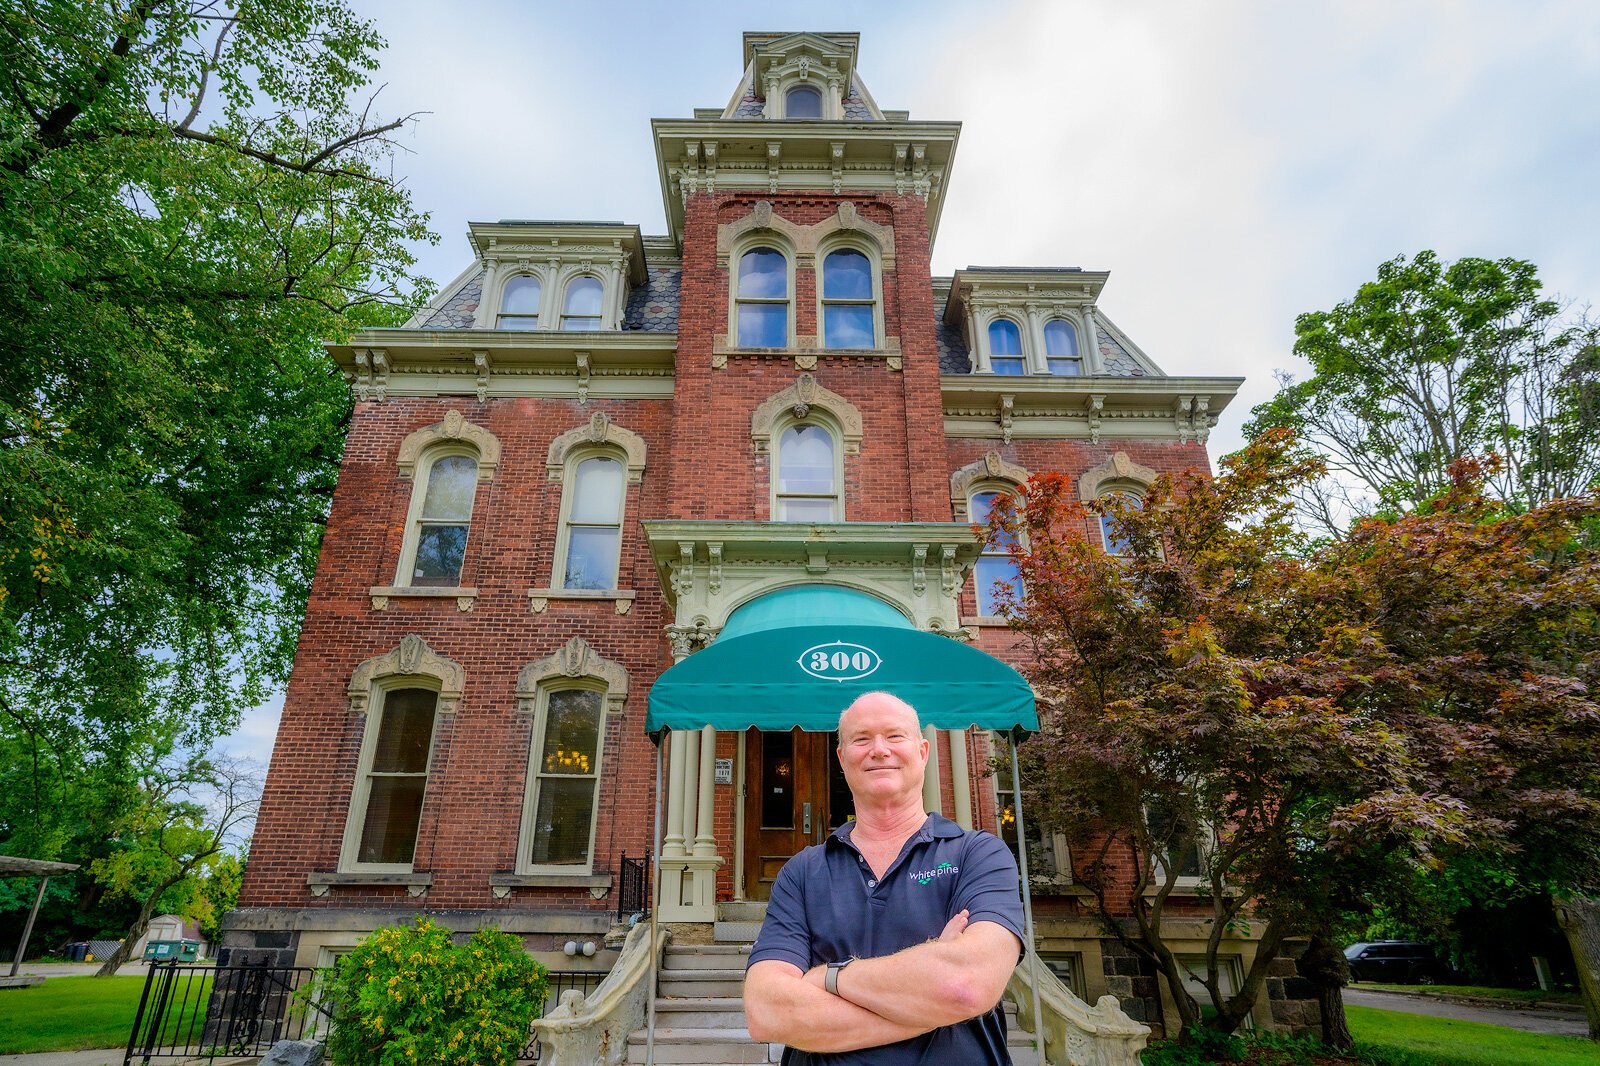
799 656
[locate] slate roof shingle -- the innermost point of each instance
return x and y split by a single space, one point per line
459 311
653 306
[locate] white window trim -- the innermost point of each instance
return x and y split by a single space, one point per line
575 665
574 457
812 418
767 238
362 790
1016 319
1049 315
875 266
419 491
566 290
544 293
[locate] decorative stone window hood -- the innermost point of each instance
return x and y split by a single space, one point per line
709 569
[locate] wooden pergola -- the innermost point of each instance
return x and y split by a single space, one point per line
15 866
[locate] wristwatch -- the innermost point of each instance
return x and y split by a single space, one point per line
830 980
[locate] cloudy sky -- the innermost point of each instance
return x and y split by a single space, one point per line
1231 163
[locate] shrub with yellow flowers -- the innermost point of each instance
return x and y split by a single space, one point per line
411 995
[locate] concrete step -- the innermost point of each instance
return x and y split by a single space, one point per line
722 1012
702 1047
741 912
702 983
741 932
705 956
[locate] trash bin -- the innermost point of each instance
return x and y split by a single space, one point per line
161 950
77 951
188 950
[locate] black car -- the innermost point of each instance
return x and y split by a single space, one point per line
1395 962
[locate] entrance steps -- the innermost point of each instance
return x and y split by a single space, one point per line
699 1010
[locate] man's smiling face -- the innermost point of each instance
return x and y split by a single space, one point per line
881 749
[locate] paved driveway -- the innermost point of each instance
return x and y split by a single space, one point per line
135 968
1551 1022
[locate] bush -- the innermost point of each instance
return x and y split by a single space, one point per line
407 996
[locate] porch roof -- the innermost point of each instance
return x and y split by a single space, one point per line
798 656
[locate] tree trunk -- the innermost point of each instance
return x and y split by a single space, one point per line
1579 918
1324 965
114 962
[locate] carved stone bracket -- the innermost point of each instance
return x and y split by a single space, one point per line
538 604
1097 404
714 550
919 568
816 560
372 373
805 362
1007 402
686 639
583 376
464 603
949 576
683 570
380 603
574 659
412 658
480 362
1183 417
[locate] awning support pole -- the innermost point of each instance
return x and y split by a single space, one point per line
1027 898
27 930
655 908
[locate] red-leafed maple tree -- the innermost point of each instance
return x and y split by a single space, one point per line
1277 737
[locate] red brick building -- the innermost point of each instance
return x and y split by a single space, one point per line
596 447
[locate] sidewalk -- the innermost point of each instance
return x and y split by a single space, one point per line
133 968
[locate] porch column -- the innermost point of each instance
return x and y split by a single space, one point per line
672 845
930 782
961 778
705 844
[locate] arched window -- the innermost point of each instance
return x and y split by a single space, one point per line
763 299
1005 347
519 303
564 777
848 304
803 101
995 566
396 752
1061 348
592 534
1115 539
436 541
806 478
581 311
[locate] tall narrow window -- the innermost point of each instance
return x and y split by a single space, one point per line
995 567
1005 347
440 529
847 300
1061 348
806 487
396 777
763 311
1116 541
564 774
582 307
519 303
802 101
594 524
1041 846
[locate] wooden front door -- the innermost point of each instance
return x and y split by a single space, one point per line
795 796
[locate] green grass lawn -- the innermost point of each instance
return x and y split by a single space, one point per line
1511 995
1453 1043
69 1014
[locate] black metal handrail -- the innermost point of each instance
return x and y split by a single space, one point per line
633 889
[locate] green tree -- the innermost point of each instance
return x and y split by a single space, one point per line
1298 730
192 197
1434 362
219 893
189 813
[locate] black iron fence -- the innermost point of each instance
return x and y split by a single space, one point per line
633 888
561 981
206 1011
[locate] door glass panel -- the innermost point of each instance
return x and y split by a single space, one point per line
777 780
841 804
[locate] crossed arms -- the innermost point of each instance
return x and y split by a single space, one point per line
894 997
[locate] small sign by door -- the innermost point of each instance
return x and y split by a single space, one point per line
724 772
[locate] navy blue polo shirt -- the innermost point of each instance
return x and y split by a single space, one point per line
827 905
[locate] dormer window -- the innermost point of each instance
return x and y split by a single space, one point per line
519 303
802 101
1005 347
581 310
1061 348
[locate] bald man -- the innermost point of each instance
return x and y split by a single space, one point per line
891 942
